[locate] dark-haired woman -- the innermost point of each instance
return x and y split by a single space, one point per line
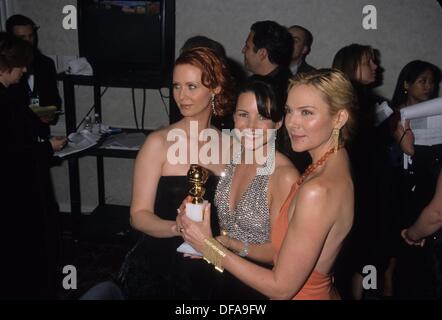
250 193
418 81
368 155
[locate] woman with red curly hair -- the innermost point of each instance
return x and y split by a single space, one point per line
202 88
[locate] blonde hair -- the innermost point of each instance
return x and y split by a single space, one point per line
337 91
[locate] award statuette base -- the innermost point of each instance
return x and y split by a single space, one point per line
194 212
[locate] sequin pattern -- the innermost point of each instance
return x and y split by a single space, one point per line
250 220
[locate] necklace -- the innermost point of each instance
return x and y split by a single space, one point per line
315 165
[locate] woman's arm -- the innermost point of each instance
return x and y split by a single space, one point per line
308 229
259 252
404 137
147 173
429 221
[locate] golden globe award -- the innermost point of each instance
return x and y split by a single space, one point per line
197 176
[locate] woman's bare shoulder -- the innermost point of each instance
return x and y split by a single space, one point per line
284 167
155 139
285 174
316 191
282 160
326 192
165 134
156 142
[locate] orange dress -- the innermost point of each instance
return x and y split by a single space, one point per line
318 286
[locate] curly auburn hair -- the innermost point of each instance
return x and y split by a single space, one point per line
214 73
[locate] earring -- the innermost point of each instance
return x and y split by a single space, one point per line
405 91
213 104
335 134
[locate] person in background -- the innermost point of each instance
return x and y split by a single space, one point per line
38 86
418 81
29 238
428 222
267 52
415 275
368 155
302 45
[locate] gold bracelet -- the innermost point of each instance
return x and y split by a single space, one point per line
214 253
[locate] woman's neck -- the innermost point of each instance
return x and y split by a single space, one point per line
200 123
317 153
411 101
256 157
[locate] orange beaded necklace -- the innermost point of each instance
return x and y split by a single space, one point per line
315 165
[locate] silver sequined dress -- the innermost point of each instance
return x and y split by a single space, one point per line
250 220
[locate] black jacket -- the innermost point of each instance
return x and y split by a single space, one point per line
45 80
45 86
305 67
27 269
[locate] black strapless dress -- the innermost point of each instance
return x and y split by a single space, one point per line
153 269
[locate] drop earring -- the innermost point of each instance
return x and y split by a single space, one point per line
335 134
213 104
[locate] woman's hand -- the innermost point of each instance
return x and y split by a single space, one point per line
411 242
195 233
58 143
181 211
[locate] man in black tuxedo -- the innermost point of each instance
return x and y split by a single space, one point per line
267 52
39 85
302 43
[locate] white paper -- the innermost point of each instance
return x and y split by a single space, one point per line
126 141
79 141
427 137
383 111
424 109
425 121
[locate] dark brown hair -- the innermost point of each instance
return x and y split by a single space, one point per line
14 52
348 58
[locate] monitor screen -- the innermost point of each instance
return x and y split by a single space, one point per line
128 41
125 32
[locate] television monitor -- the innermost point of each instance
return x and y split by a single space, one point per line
128 41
